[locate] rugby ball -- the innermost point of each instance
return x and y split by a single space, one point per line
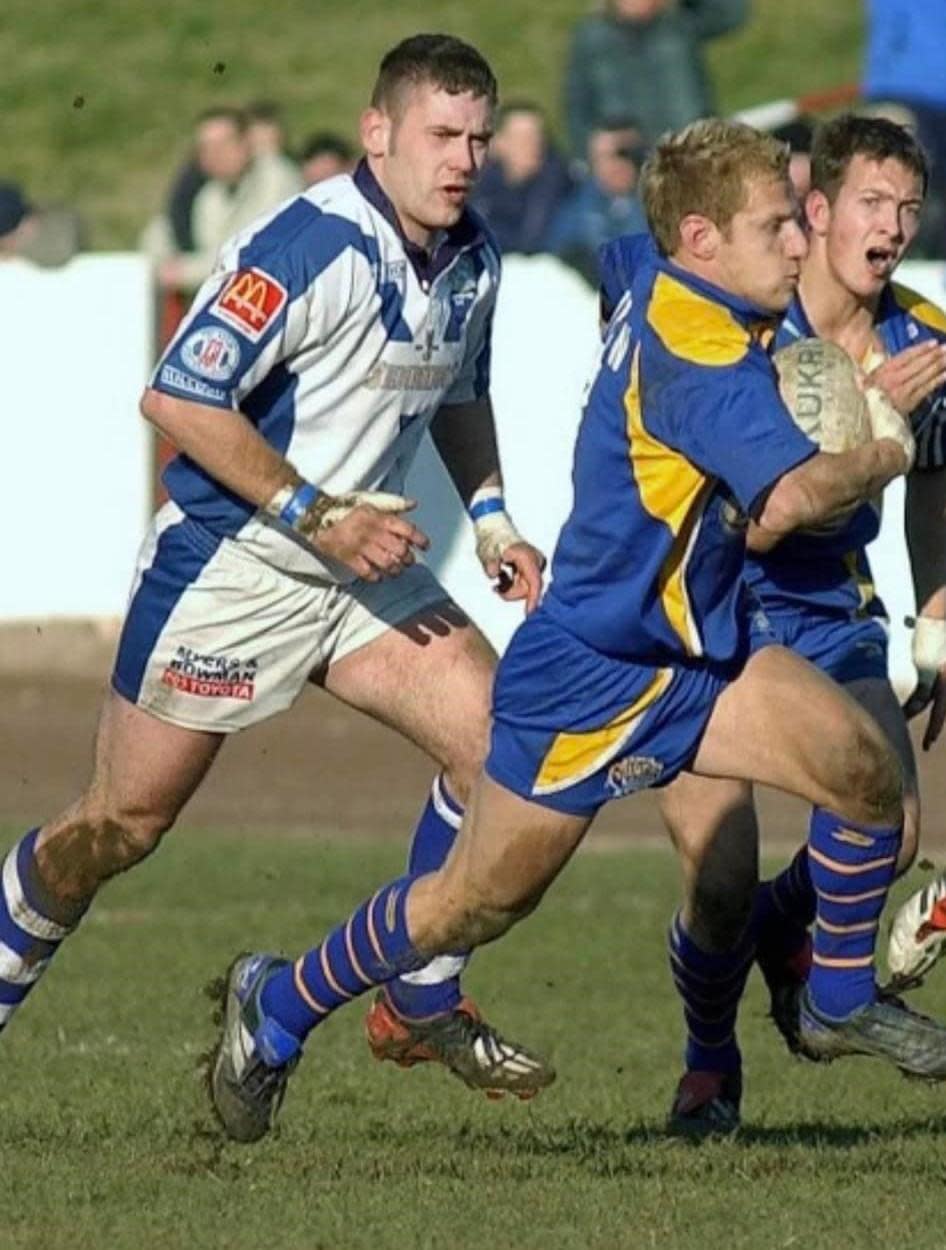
822 390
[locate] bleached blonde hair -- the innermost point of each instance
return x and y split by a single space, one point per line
706 168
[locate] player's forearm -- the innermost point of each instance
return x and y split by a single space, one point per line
465 437
925 520
224 444
827 484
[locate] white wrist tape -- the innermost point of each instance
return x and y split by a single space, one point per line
343 504
929 648
324 510
495 534
886 422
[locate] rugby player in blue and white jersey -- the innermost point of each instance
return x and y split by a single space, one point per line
636 665
331 335
817 597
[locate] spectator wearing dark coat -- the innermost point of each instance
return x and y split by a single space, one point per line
524 180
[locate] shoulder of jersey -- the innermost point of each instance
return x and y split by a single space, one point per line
694 327
920 308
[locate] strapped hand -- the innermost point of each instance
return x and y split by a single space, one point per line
364 530
886 422
514 564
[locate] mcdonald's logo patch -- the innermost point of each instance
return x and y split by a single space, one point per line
250 302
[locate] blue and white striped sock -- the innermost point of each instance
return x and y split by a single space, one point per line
28 937
711 985
852 867
434 989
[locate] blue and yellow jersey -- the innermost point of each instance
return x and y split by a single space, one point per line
830 570
683 433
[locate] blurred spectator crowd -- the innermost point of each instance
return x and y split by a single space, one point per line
634 70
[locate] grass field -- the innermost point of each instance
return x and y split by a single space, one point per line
105 1141
97 98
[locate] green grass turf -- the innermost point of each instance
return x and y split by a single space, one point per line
97 96
105 1139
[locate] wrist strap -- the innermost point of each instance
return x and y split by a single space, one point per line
487 500
290 504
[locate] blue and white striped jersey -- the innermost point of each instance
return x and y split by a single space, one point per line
339 340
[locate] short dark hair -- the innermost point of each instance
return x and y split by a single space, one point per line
439 60
326 141
838 141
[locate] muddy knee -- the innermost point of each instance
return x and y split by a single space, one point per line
451 919
79 854
873 776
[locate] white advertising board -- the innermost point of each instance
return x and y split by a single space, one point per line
75 468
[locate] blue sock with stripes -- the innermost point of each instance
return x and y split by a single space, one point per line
28 937
435 988
711 985
371 947
852 867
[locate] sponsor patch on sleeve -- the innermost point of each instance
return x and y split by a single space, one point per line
212 352
250 302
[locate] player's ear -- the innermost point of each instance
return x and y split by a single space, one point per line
818 211
699 236
375 131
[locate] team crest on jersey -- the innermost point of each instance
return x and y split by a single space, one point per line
211 352
250 302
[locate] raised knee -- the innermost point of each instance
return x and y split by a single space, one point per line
873 775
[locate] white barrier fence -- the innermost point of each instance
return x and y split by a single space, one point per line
76 476
75 470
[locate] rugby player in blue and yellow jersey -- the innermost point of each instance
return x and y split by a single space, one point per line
817 597
636 665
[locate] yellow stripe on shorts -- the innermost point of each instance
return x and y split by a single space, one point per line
573 757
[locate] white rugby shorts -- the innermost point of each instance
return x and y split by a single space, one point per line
216 639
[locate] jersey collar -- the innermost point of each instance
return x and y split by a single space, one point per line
426 265
796 322
746 313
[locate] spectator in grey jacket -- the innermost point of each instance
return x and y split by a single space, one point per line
644 59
